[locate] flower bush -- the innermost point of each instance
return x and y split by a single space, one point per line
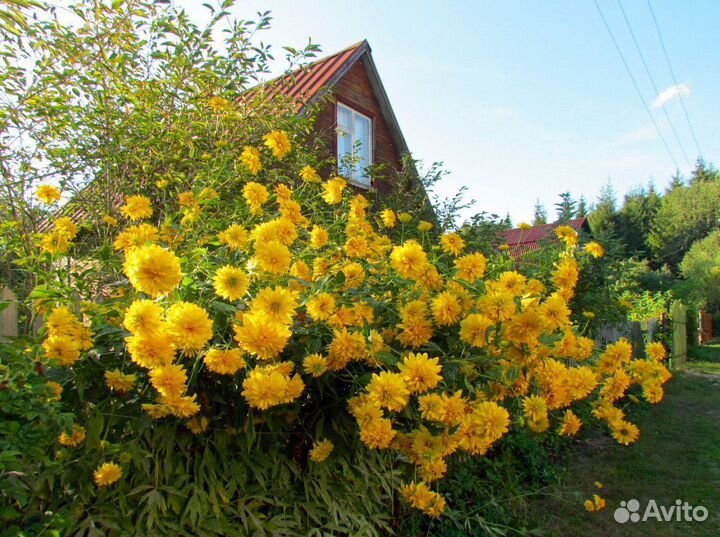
305 307
235 340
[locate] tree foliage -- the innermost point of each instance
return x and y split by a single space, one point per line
701 269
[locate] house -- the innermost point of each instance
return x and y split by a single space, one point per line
523 240
354 119
355 116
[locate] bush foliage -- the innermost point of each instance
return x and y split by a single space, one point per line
235 339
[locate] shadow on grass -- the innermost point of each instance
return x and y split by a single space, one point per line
676 457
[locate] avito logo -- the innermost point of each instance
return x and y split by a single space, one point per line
680 512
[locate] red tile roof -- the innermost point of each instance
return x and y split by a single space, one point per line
526 240
305 84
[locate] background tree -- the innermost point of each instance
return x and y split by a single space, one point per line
566 208
582 208
701 269
635 219
539 214
686 214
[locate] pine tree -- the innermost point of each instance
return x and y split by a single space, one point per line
540 214
582 208
566 208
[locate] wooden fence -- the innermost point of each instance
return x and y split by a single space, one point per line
8 313
678 314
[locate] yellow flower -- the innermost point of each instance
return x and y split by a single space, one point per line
230 283
416 332
256 195
47 194
55 388
65 226
318 237
321 450
153 270
446 309
566 274
107 474
309 174
234 237
55 242
267 387
567 234
315 364
109 220
64 349
162 183
474 329
273 257
261 338
151 350
452 243
624 432
321 307
594 249
570 424
388 218
75 438
119 382
275 305
424 226
169 380
599 502
420 372
471 267
224 362
389 390
333 189
135 236
218 104
250 158
189 326
377 434
534 408
655 351
197 426
143 317
344 348
409 260
278 142
589 506
136 208
555 312
404 217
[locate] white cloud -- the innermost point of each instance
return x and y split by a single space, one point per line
671 93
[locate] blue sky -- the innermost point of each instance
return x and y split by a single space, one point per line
523 100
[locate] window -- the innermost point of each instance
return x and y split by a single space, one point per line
354 144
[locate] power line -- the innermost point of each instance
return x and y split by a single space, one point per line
637 88
667 58
652 81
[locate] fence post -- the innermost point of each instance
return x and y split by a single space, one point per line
679 334
9 314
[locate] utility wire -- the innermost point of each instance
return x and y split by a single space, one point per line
652 81
667 58
637 88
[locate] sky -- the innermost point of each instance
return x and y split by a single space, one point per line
523 100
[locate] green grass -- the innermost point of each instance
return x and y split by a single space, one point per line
705 359
676 457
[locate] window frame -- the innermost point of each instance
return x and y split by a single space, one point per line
368 184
